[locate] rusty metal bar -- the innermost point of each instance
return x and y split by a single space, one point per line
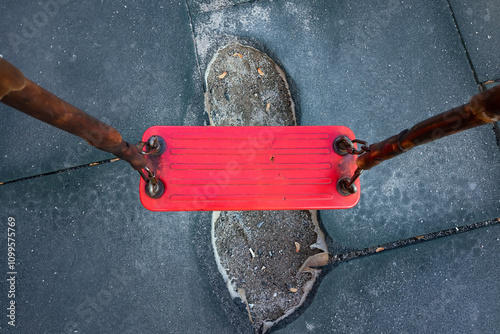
483 108
24 95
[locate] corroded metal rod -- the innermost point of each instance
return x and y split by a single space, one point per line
24 95
483 108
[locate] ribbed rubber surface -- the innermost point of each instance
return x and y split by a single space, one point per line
250 168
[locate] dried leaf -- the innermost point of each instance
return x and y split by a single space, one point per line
268 107
317 260
272 158
419 237
293 290
297 247
379 249
237 55
222 76
243 296
260 71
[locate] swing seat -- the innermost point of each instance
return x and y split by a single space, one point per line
209 168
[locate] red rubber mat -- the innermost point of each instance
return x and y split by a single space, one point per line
211 168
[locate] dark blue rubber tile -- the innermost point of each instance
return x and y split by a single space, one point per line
91 259
493 84
128 63
378 68
444 286
479 23
212 5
